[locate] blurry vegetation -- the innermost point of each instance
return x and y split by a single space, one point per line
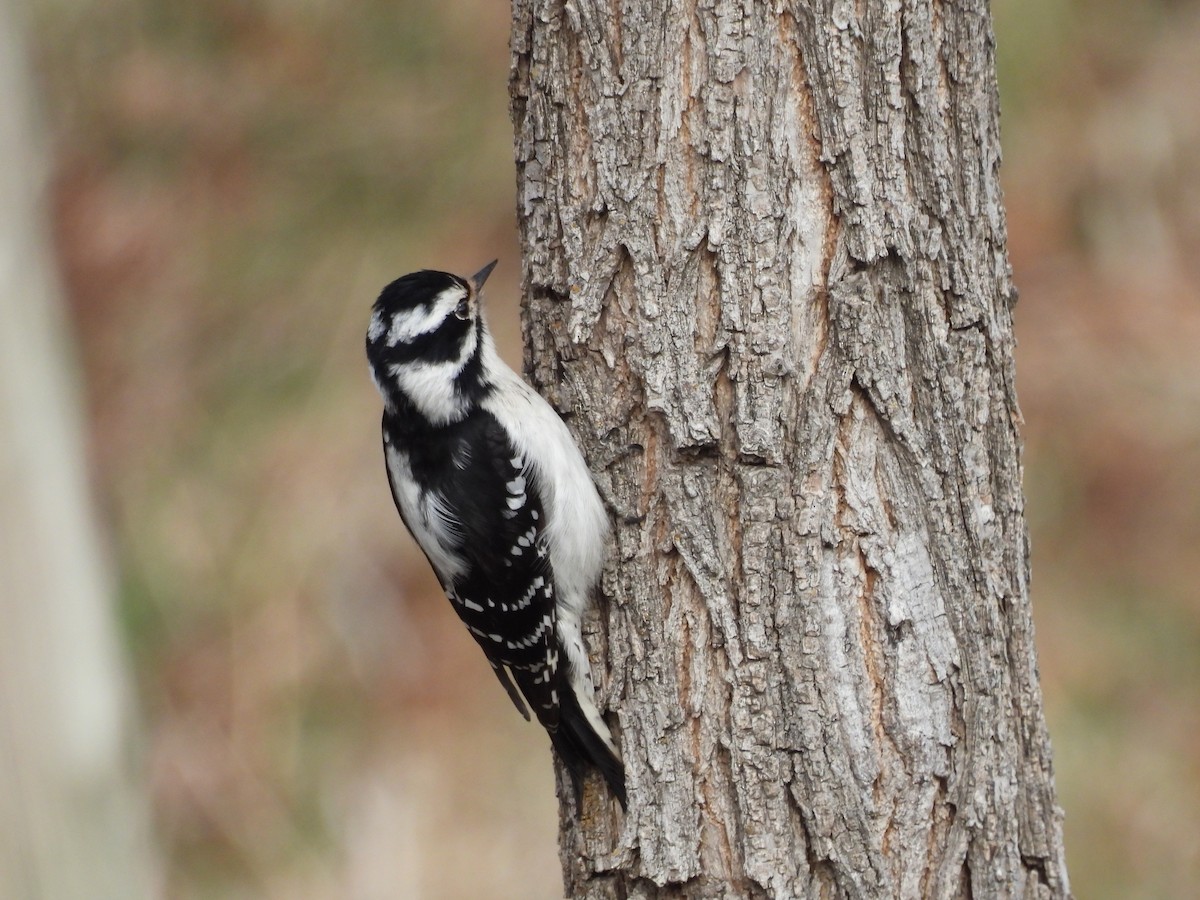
1102 185
235 183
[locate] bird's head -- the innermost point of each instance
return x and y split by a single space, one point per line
426 341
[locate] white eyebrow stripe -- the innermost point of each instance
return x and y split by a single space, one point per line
413 323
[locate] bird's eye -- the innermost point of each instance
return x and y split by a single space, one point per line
463 310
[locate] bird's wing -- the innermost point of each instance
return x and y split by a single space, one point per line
483 527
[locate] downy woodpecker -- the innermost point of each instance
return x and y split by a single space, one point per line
491 485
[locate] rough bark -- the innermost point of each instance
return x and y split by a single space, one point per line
766 279
72 823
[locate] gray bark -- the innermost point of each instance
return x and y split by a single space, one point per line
72 824
766 279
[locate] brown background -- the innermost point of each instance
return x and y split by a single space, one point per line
234 183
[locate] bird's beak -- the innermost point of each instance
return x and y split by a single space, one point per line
482 275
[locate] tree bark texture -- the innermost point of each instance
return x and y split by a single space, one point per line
766 280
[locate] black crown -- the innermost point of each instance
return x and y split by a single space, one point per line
416 289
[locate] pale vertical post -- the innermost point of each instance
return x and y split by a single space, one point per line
73 823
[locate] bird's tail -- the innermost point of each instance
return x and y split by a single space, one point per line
583 741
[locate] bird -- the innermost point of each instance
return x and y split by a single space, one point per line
494 490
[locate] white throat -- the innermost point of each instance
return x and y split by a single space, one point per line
432 387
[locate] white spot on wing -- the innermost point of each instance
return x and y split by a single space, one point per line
533 638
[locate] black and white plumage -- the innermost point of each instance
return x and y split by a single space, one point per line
491 485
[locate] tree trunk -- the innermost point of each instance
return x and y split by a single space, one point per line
72 823
766 277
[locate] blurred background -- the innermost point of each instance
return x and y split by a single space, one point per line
231 184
